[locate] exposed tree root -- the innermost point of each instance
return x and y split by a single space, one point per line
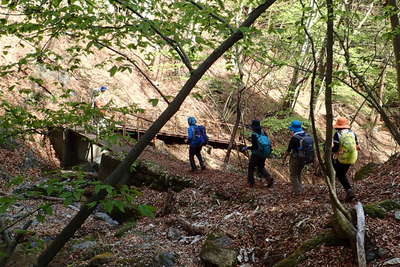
298 255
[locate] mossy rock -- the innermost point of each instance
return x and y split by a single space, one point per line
379 210
364 171
390 205
101 259
125 228
374 211
218 251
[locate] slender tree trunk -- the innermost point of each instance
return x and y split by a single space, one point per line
394 21
47 255
381 89
290 98
342 216
235 127
240 89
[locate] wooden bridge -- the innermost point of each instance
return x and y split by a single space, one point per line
176 133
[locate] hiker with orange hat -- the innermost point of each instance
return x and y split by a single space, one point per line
345 146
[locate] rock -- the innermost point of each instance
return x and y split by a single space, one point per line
105 217
218 250
174 234
382 252
101 259
397 214
371 255
165 259
30 161
84 245
394 261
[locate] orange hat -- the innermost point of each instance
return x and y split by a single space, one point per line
342 123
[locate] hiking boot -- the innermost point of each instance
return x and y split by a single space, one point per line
203 168
249 185
349 195
193 170
270 182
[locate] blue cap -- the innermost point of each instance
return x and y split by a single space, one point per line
295 126
103 88
192 121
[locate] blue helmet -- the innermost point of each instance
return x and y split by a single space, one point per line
103 88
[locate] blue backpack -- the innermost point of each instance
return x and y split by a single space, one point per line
264 146
200 136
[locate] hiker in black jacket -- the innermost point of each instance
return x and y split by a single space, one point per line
257 160
299 154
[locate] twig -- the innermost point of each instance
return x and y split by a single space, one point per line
19 220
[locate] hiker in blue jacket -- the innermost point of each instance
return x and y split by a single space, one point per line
194 145
257 160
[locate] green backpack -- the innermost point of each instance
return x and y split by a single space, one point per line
348 153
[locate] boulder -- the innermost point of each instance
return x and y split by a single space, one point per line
397 214
165 259
218 250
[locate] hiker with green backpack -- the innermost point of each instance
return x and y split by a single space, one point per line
261 148
301 150
345 153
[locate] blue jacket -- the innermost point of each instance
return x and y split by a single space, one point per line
192 125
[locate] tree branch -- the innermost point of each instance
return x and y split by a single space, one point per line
174 44
137 67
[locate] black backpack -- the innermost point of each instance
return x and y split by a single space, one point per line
305 150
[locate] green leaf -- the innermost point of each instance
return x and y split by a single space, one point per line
92 204
108 205
56 3
113 70
16 181
47 209
154 101
147 210
40 218
198 96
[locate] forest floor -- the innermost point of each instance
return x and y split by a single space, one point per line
266 224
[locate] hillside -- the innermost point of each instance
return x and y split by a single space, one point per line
265 225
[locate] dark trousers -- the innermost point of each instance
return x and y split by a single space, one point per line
296 166
195 151
259 163
341 171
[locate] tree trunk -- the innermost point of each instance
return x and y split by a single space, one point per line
289 101
381 89
394 21
240 89
342 216
47 255
235 127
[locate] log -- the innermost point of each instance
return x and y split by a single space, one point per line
360 237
